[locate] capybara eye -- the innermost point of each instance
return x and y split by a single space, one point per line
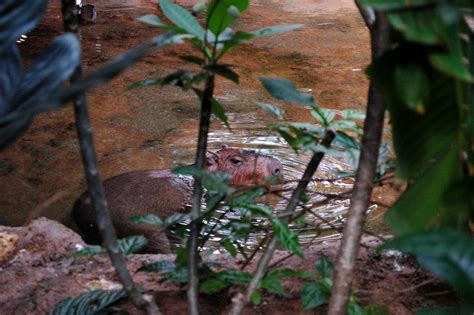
235 161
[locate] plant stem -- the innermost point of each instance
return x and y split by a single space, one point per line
192 245
373 127
240 300
89 159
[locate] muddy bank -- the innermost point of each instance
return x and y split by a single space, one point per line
37 271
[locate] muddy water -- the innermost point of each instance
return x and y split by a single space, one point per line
41 174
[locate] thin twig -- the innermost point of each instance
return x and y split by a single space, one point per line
240 300
89 159
371 138
192 245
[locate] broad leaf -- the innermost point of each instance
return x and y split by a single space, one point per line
447 253
212 286
224 71
148 218
159 266
10 69
273 30
17 18
219 111
88 303
412 86
246 198
394 4
131 244
218 17
421 207
234 276
151 19
324 266
182 18
272 109
288 239
273 285
285 90
314 295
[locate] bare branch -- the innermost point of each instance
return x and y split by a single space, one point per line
192 245
239 301
371 138
89 159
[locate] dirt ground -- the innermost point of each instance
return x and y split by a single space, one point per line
37 268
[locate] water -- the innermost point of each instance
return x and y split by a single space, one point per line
41 174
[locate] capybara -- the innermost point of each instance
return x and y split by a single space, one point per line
163 193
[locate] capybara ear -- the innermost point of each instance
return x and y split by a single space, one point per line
224 146
211 158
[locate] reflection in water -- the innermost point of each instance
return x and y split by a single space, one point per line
250 132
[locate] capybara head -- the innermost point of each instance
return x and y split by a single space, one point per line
246 167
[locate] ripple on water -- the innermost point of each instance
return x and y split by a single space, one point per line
248 131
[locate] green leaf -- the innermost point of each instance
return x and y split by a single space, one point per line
314 295
127 245
421 206
189 170
451 64
88 303
259 209
272 109
288 239
285 90
230 276
324 266
175 218
287 272
354 309
212 286
182 18
394 4
219 111
218 17
131 244
256 298
90 251
151 19
193 59
447 253
426 26
412 86
272 30
354 114
465 309
273 285
229 247
148 218
247 197
159 266
349 125
224 71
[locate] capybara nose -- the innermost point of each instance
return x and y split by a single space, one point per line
275 168
276 171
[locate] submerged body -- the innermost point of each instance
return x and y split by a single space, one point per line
163 193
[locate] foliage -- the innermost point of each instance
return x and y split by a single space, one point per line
127 246
26 93
302 136
447 253
314 294
88 303
425 80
